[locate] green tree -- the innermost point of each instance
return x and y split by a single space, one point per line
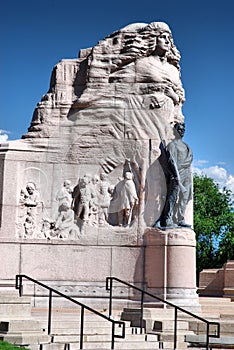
213 223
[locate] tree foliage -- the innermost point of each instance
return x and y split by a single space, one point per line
213 223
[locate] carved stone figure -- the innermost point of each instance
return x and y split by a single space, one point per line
47 229
64 196
124 200
104 199
82 198
145 73
31 210
176 162
65 226
94 202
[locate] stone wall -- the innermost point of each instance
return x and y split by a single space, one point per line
218 282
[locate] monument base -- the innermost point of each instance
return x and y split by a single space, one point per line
163 264
170 265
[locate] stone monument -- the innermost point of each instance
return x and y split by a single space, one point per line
100 184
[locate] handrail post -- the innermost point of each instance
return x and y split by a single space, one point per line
142 306
19 284
113 336
50 312
175 329
81 327
207 335
109 287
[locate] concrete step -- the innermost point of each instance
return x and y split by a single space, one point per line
213 305
226 327
214 300
200 340
95 338
24 325
227 317
101 346
11 305
26 338
88 331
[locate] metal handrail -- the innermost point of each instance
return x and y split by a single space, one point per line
19 286
109 287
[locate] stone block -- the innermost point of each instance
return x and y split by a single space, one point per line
66 262
10 260
127 264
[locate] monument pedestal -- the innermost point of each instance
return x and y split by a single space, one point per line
170 266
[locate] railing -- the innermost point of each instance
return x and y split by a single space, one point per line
109 287
19 286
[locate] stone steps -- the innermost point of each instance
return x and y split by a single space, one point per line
101 346
99 334
226 327
16 323
12 304
22 325
25 338
65 327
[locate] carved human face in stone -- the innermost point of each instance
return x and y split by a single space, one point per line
67 183
30 188
103 176
95 179
164 42
86 179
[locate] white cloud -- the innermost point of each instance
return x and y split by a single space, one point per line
3 136
217 173
230 183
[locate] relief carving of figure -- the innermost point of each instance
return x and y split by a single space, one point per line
124 200
176 163
94 203
159 102
148 67
82 198
64 196
65 226
104 199
31 210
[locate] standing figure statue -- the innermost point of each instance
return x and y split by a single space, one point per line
82 198
94 207
104 199
176 161
124 200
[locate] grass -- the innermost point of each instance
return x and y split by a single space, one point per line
7 346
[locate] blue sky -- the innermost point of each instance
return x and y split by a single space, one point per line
35 35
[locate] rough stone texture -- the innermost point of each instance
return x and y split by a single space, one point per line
65 189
